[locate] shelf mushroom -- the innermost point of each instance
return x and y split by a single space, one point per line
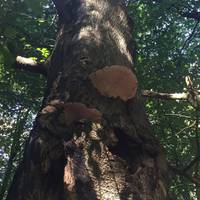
115 81
78 111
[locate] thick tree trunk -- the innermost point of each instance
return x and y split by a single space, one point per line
85 144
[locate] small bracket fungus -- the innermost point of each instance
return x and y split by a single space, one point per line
48 109
52 106
70 112
57 116
78 111
115 81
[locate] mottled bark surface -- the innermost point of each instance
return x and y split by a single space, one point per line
85 145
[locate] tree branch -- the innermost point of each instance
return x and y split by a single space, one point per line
191 36
30 65
191 164
165 96
193 96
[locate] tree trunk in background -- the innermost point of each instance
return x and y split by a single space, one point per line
15 148
69 158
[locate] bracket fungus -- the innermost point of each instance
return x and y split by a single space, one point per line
58 117
78 111
70 112
115 81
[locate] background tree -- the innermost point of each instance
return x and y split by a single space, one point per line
166 35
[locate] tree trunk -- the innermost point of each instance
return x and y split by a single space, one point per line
15 148
86 143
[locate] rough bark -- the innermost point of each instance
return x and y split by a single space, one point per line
85 145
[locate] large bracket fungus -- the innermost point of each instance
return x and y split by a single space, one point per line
115 81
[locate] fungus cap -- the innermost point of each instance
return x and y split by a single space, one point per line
115 81
78 111
71 112
48 109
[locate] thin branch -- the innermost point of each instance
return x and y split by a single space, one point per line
178 115
165 96
30 65
192 96
185 128
188 40
191 164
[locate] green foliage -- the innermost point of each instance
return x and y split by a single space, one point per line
167 51
27 28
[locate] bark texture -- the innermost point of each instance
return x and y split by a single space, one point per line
85 145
